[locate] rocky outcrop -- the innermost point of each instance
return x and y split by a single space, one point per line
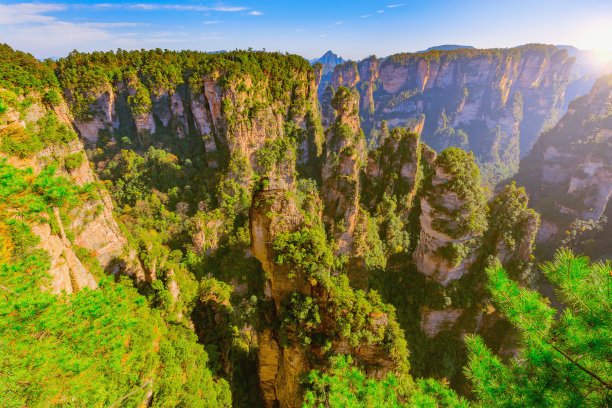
274 214
279 366
568 173
393 168
500 99
91 223
345 156
104 118
67 273
452 217
434 321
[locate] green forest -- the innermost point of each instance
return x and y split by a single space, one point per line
180 229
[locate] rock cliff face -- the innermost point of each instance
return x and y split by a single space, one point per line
568 173
236 120
284 356
452 219
91 224
395 168
345 150
476 99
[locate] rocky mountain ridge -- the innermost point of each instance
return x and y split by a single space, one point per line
568 176
493 102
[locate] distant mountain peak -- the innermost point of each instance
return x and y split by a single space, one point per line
330 58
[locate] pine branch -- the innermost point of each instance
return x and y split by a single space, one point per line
8 290
576 363
580 366
114 404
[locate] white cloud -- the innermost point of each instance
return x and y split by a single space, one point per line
56 38
25 13
113 25
366 16
394 5
300 30
338 22
181 7
232 9
212 22
380 11
255 13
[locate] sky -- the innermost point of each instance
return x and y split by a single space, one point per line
353 29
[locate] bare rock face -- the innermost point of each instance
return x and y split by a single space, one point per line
434 321
265 228
279 366
452 218
501 99
346 74
67 273
104 117
568 173
235 120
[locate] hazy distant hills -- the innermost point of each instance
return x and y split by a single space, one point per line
449 47
589 66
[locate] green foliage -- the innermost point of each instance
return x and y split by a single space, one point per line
73 160
52 98
18 141
22 73
305 250
563 361
394 236
512 224
454 252
576 236
51 131
91 348
463 180
153 72
275 153
347 386
24 142
343 98
140 102
301 315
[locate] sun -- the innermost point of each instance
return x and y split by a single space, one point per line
596 36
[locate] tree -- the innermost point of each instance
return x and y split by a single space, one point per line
564 360
347 386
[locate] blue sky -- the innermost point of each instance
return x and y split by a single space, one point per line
353 29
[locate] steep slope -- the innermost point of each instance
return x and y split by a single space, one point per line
35 133
568 174
70 333
493 102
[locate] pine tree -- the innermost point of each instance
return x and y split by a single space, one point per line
565 359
